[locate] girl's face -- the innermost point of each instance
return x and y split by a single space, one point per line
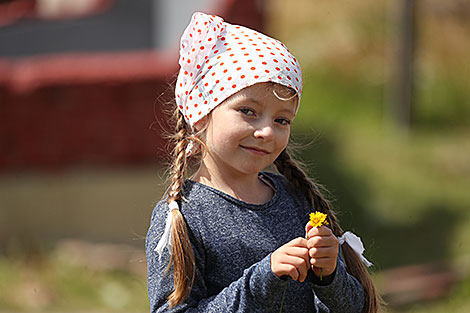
249 130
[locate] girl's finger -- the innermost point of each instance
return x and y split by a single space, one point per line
300 264
303 271
297 242
302 257
327 265
308 226
288 270
318 231
322 252
322 241
296 251
291 270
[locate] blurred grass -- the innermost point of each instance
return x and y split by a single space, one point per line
457 302
51 285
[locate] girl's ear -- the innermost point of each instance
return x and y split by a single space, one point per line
200 124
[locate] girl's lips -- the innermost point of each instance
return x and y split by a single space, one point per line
257 151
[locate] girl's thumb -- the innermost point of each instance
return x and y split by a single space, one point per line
307 228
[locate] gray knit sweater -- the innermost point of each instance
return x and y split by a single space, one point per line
232 242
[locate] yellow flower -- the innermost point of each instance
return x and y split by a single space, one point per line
318 219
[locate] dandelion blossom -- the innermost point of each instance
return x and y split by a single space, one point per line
318 219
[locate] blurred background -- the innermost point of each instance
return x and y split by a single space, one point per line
384 124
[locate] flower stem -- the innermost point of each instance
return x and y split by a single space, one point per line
283 296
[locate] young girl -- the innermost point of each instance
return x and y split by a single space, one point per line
234 238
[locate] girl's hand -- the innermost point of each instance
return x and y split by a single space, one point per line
291 259
323 249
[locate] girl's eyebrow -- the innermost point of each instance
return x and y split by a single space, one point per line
288 111
252 99
259 103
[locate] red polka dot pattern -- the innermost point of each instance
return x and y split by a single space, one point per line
218 59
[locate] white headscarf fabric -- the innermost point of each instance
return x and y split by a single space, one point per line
218 59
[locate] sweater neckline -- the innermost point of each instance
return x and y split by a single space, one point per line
252 206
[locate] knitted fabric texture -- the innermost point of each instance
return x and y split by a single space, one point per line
218 59
232 242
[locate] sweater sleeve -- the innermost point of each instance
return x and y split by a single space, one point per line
252 292
343 294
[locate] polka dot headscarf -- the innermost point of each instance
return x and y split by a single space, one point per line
218 59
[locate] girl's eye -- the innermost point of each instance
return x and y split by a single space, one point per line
283 121
247 111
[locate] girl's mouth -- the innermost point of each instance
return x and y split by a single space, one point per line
255 150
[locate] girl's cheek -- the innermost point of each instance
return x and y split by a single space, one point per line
285 140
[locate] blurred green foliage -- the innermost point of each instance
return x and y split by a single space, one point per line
48 284
389 184
405 192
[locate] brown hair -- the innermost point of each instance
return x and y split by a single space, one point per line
182 255
292 170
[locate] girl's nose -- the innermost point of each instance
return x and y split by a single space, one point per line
265 132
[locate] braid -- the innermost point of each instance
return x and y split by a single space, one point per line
178 167
182 255
292 170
